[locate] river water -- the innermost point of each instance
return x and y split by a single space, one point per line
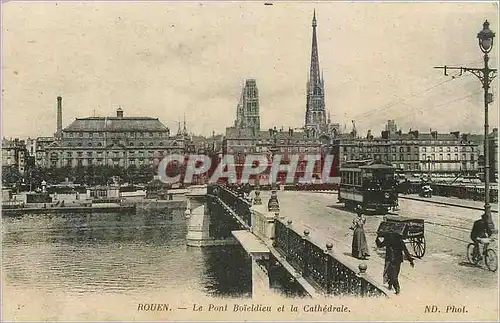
140 254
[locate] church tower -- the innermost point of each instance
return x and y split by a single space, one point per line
315 120
247 113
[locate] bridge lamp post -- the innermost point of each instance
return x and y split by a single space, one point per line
273 204
485 38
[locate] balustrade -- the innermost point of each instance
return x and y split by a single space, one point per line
318 266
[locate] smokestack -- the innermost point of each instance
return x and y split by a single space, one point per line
59 116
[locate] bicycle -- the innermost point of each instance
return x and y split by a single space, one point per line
490 256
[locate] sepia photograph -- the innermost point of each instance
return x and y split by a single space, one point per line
249 161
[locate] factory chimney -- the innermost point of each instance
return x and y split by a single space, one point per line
59 116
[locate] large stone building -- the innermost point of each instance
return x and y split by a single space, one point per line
245 141
414 152
115 141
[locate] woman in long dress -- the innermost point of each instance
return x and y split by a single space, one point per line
359 244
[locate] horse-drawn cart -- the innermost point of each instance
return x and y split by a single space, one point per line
410 229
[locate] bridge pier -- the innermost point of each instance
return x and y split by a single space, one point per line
199 216
260 254
261 284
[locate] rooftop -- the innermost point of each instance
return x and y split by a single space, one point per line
122 124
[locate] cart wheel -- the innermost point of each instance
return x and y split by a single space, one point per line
418 245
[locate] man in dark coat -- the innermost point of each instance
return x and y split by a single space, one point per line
480 229
395 251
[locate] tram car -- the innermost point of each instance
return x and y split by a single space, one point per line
370 184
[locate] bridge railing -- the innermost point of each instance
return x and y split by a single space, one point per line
321 267
234 199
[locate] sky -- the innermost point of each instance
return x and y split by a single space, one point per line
172 60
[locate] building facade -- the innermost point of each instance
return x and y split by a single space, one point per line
14 154
113 141
414 152
291 141
493 144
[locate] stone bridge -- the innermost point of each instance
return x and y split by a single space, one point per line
220 214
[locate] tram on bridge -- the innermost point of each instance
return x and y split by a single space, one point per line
370 184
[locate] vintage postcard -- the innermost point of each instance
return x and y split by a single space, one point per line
249 161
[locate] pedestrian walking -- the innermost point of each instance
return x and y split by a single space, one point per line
359 244
395 251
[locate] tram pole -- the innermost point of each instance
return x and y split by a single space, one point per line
486 76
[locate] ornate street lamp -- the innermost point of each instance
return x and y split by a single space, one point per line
273 204
485 75
485 38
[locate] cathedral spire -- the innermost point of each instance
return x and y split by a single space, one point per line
315 108
314 75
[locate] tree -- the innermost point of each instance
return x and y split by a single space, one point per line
10 175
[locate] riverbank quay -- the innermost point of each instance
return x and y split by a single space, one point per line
97 208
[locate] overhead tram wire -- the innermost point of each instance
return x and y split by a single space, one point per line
399 100
441 104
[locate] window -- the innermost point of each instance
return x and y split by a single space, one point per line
71 135
90 134
131 144
448 157
423 149
90 144
394 157
151 144
408 149
99 144
456 156
151 134
448 149
89 153
440 156
68 154
423 156
101 134
433 149
440 149
433 157
80 134
401 157
408 157
456 149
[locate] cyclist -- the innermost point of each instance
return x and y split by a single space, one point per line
480 229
